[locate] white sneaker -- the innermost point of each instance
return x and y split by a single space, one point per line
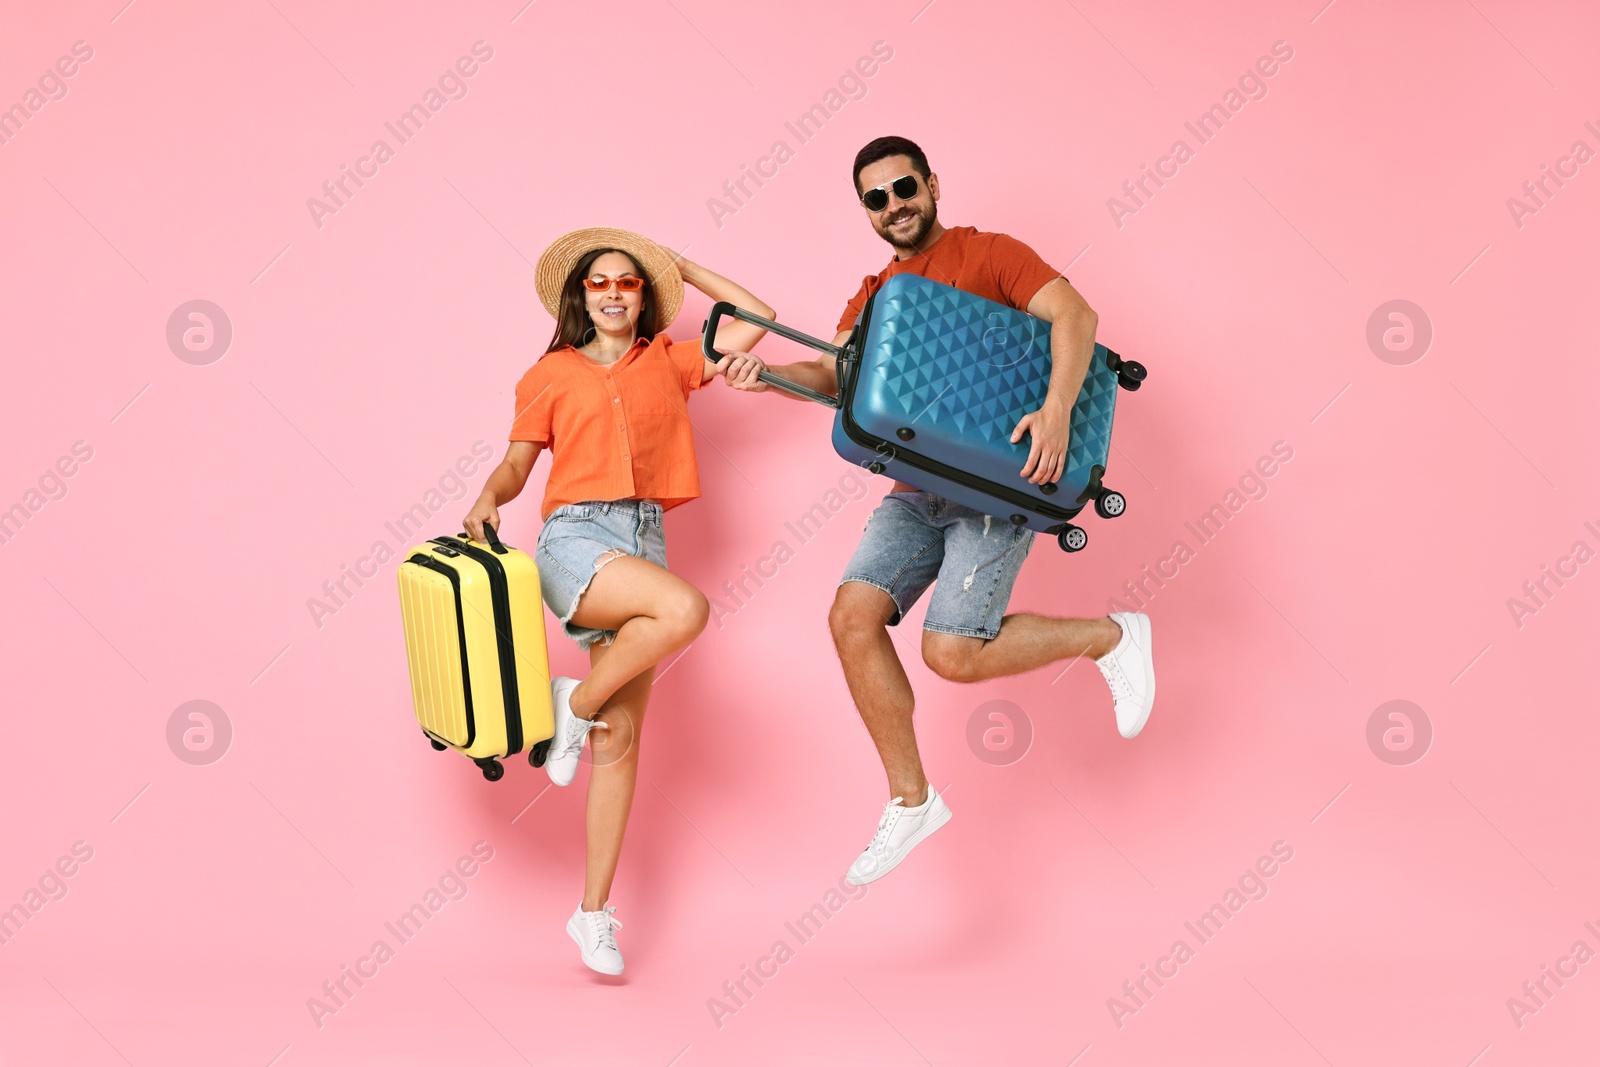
592 930
1131 672
561 762
899 831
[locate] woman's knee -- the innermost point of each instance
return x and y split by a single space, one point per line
687 611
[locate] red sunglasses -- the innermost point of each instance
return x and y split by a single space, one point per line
630 284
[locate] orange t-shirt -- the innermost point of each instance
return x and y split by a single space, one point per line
614 432
992 265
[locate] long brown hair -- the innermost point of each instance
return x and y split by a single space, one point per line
573 325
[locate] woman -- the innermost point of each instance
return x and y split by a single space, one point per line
608 398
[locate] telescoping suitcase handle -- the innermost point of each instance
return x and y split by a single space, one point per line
722 309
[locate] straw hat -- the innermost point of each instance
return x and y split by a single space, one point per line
659 266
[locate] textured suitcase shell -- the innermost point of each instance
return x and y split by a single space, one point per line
471 659
959 371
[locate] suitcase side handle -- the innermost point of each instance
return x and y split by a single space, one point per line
722 309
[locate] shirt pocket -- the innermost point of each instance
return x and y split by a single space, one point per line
655 401
659 389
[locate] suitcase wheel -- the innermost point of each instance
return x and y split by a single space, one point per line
1131 375
1072 539
438 745
1109 504
537 753
492 769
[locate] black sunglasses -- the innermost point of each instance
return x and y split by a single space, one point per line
904 187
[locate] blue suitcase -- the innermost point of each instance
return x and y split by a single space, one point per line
931 382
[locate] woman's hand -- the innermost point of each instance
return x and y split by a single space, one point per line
483 511
691 272
741 370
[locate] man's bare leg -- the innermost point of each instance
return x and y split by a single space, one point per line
860 624
1024 643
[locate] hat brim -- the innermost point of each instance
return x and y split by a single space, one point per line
660 267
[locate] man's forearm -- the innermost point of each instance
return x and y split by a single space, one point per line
1071 348
810 373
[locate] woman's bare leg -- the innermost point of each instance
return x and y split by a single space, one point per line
655 614
611 783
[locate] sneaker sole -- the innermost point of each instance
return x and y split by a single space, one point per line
916 839
578 939
1142 639
550 769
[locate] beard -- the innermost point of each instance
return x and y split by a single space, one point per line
919 229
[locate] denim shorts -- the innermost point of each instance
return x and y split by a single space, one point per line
579 539
915 538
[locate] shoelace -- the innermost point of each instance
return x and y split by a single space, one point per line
577 729
891 815
602 923
1117 679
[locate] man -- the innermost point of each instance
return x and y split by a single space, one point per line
916 539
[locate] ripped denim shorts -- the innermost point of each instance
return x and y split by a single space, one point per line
916 539
579 539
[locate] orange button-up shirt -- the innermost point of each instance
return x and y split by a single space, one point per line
614 432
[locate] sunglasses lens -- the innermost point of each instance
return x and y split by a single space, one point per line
875 200
905 188
630 285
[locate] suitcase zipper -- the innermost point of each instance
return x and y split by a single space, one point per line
461 638
933 466
500 598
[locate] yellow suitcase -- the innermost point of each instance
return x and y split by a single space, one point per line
480 670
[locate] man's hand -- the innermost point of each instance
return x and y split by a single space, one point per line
1047 430
739 369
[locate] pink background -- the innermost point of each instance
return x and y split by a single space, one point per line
371 353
